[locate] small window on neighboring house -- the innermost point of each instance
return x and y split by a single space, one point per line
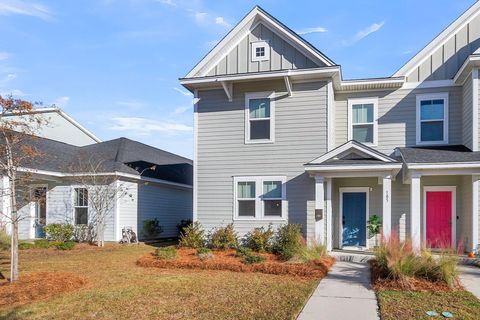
259 118
260 51
363 120
432 119
80 204
259 197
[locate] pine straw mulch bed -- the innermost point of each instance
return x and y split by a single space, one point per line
381 281
37 286
226 260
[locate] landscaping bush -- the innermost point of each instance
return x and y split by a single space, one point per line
22 245
243 251
64 245
204 253
398 261
4 240
193 236
260 239
253 258
152 228
182 225
59 231
288 241
311 252
41 244
224 238
166 253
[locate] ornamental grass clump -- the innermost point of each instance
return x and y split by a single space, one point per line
224 238
193 236
312 252
260 239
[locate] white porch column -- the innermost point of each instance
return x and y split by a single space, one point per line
387 206
319 209
329 220
415 211
475 195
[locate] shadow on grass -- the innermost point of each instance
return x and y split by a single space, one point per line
15 314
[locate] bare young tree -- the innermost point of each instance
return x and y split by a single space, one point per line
18 127
100 192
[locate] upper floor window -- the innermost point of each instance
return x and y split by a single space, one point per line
260 51
260 197
363 120
432 118
80 205
259 117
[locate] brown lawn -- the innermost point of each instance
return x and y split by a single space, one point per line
119 289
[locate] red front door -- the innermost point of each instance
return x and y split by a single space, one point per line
439 219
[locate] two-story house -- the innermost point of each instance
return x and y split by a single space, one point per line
281 137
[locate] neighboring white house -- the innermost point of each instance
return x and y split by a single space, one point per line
60 127
281 137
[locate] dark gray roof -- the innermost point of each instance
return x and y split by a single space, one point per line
437 154
121 155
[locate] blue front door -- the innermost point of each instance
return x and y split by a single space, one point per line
354 219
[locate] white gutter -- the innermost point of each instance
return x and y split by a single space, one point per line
443 165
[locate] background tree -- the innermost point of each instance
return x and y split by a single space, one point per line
19 125
103 190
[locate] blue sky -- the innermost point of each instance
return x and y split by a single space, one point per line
114 64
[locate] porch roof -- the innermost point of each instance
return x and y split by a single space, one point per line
438 154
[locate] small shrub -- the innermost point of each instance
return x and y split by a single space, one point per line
193 236
252 259
166 253
224 238
83 233
182 225
41 244
22 245
243 251
67 245
4 240
152 228
59 231
204 253
260 239
288 241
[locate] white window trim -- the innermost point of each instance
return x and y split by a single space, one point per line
259 203
372 100
32 207
259 44
432 96
260 95
453 190
73 187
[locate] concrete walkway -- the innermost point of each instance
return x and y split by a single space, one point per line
470 278
345 293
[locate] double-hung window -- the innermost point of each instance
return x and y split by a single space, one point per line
432 118
259 117
80 205
262 198
362 118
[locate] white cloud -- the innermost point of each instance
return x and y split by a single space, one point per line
4 56
61 101
143 126
312 30
364 33
180 110
200 17
132 103
185 93
221 21
19 7
6 79
168 2
12 92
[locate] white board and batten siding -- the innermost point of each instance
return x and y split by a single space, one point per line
300 136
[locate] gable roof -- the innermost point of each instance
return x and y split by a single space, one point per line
366 154
250 21
439 40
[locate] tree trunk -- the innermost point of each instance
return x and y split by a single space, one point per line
14 252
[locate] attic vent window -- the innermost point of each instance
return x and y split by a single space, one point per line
260 51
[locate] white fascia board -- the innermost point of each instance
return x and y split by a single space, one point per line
356 82
443 165
345 147
351 167
440 40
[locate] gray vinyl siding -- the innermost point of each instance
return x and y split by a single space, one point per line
168 204
283 56
467 113
448 58
127 209
397 116
300 136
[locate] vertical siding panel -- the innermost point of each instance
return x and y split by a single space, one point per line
254 66
232 61
275 52
243 56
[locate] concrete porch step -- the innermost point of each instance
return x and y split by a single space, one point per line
352 256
